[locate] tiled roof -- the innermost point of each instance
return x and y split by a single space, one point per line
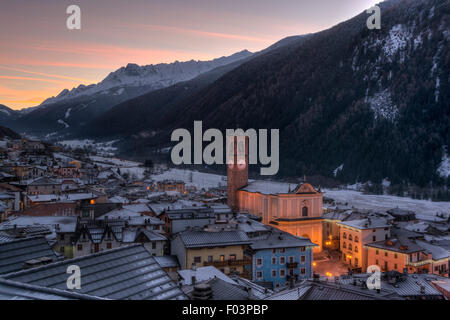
369 223
198 239
279 239
125 273
13 254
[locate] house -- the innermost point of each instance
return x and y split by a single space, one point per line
96 236
279 258
397 254
169 264
125 273
223 250
52 209
44 186
179 220
171 185
356 234
154 242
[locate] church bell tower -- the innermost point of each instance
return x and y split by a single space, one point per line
237 171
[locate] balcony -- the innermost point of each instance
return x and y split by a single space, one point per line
418 263
228 263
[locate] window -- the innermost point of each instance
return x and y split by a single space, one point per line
222 258
282 250
376 262
274 273
61 249
395 256
274 260
344 236
282 272
274 251
259 262
376 252
153 245
61 237
350 237
350 246
79 247
232 257
109 245
303 259
344 245
291 259
385 254
282 260
395 266
356 248
302 249
303 271
210 259
305 211
374 238
356 239
259 275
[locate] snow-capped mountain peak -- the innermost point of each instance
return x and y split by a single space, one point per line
154 76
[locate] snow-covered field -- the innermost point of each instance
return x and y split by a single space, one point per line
423 208
115 162
193 178
385 202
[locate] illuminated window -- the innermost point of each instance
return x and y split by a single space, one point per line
222 258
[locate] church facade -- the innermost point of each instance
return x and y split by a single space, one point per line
297 211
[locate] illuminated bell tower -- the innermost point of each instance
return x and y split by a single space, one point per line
237 171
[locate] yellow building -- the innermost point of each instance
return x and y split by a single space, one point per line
223 250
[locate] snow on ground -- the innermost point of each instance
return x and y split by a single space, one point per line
67 115
423 208
116 162
193 178
384 202
382 106
133 172
444 168
396 41
103 147
63 123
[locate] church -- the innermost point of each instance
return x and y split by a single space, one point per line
297 210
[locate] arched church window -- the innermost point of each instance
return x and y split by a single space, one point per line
305 211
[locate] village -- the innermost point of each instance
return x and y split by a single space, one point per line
142 231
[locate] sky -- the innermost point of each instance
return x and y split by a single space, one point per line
40 56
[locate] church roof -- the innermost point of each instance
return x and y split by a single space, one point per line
272 187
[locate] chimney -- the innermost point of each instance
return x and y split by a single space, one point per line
202 291
250 294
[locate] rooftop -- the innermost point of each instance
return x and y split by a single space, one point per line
125 273
198 239
14 254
